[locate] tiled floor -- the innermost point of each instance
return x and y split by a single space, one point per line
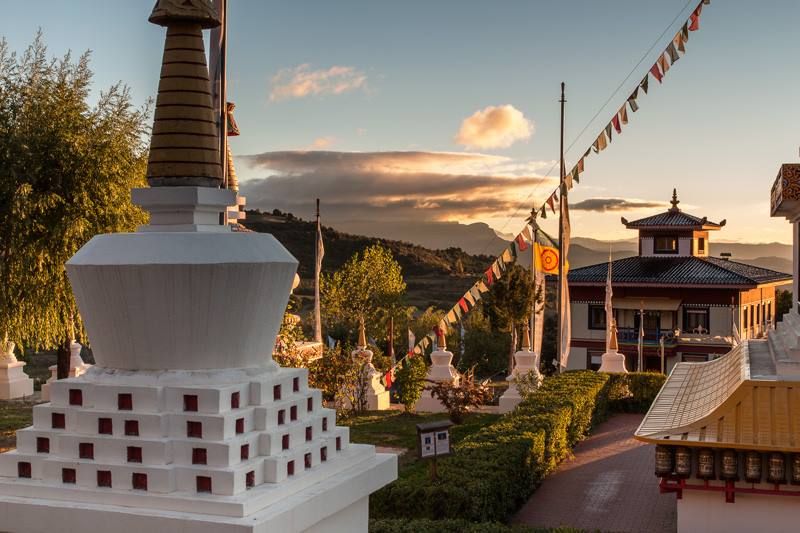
609 485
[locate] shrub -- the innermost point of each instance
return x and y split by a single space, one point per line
493 471
458 399
409 381
634 392
455 526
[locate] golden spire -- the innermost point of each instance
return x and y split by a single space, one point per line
184 147
441 339
233 131
362 335
613 345
526 337
675 200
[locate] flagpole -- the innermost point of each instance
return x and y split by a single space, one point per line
563 191
223 96
317 268
535 229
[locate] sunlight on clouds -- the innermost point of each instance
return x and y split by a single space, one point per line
301 81
494 127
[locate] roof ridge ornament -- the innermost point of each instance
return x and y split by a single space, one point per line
675 202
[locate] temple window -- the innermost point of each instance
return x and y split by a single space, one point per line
75 397
194 430
695 320
276 392
281 417
597 317
125 401
665 245
68 475
310 404
86 450
244 452
285 442
105 426
325 424
239 426
199 456
42 445
290 468
134 454
203 484
293 413
23 469
296 384
132 428
338 443
307 460
104 478
58 421
323 454
139 481
250 479
235 400
190 402
309 433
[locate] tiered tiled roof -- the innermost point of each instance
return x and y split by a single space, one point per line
697 271
672 218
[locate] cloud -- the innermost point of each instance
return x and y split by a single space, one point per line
322 143
494 127
614 204
390 186
301 81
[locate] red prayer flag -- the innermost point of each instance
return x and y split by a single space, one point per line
521 244
463 304
388 379
489 276
656 72
694 19
615 122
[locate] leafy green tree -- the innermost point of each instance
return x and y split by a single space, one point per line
410 380
68 161
509 302
484 348
783 303
369 286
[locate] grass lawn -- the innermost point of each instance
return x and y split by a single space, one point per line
397 429
14 415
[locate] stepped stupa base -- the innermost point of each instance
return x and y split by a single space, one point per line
338 504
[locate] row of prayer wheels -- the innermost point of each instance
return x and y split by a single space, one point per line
729 465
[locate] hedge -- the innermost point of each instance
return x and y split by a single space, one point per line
455 526
495 470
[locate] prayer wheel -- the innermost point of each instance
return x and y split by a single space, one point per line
730 465
664 461
796 469
683 461
776 473
705 464
752 467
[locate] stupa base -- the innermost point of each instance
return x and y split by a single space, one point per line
509 400
337 504
613 363
14 383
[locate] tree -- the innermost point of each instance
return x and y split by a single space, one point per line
410 380
783 303
66 171
369 286
509 302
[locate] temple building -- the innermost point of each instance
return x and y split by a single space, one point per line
699 305
727 432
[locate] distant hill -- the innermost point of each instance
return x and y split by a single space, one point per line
434 277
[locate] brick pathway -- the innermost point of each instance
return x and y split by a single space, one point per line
609 486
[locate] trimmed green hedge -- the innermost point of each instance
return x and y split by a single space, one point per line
494 471
455 526
634 392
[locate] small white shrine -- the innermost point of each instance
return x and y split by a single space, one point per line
185 423
441 370
76 368
526 366
612 361
14 382
375 394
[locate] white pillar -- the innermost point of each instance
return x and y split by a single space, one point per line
441 370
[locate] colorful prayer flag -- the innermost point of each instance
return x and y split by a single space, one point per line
551 202
656 72
615 122
673 53
694 19
601 142
482 286
489 276
468 297
580 165
608 131
644 83
506 256
545 258
663 63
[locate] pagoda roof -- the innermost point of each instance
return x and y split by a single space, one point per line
672 271
673 218
735 401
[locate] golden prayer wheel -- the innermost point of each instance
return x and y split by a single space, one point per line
796 469
730 465
683 461
705 464
776 473
664 461
752 467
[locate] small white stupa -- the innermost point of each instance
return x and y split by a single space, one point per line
441 370
613 361
14 382
76 368
526 363
185 423
376 395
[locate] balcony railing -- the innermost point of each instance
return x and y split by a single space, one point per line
652 336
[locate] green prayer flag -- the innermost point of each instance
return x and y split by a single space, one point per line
673 53
644 83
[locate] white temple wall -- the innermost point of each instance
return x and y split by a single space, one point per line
708 512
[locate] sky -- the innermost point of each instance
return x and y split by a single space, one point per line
448 110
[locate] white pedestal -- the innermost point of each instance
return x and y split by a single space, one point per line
525 363
14 382
613 362
377 397
442 371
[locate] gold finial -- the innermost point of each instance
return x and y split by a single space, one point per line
613 345
362 335
184 147
441 338
233 131
675 200
526 336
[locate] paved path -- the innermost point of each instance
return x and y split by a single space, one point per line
609 485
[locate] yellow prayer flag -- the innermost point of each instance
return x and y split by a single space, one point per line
546 258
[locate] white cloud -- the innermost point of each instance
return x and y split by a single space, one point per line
494 127
301 81
320 143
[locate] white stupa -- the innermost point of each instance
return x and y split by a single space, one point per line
526 363
613 361
185 423
375 394
14 382
441 370
76 368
